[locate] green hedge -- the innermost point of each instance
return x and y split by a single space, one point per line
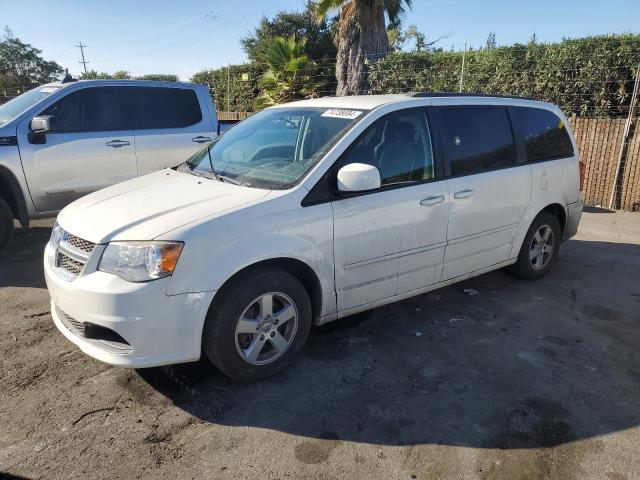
242 92
587 76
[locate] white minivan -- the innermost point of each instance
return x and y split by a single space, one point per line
308 212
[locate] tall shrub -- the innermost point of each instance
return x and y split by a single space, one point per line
233 88
587 76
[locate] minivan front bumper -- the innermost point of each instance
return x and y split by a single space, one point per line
123 323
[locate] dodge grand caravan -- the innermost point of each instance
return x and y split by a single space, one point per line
308 212
63 140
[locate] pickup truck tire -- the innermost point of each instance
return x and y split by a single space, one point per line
257 324
6 223
540 248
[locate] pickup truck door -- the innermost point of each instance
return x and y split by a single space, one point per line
172 123
91 146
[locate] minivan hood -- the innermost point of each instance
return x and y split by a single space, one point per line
146 207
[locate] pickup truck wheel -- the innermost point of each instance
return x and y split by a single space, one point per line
257 325
540 248
6 223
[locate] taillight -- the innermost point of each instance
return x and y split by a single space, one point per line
582 171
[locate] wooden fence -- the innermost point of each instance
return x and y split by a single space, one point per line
599 141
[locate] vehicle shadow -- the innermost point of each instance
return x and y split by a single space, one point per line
517 365
21 259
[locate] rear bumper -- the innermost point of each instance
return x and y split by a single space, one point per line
574 213
156 329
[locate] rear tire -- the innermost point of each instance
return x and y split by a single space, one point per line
539 249
257 324
6 223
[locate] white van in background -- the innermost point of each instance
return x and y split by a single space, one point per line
61 141
308 212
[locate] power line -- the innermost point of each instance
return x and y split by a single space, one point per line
83 62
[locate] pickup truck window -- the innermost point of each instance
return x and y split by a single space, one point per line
94 109
160 107
275 148
22 103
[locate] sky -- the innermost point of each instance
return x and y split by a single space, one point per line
185 37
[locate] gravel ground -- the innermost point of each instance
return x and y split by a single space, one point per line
523 380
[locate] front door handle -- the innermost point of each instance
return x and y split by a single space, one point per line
201 139
466 193
117 143
432 200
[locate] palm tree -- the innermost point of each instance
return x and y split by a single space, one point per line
361 38
289 75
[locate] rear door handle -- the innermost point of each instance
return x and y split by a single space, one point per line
201 139
466 193
432 200
117 143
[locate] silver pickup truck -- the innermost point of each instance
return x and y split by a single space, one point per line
61 141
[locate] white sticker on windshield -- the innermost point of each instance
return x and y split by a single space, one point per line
48 89
342 113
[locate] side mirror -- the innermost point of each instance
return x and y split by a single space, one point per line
358 177
41 124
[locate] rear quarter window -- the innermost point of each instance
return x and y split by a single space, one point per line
545 135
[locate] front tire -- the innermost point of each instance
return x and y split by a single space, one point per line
539 249
6 223
257 324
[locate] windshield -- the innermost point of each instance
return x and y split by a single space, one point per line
275 148
21 103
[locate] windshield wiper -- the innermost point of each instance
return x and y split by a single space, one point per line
233 181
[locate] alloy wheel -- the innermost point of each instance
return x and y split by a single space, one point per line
542 247
266 328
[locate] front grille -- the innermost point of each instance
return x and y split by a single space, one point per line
69 264
71 323
80 243
72 255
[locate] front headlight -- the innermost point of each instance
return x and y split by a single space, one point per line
56 234
140 261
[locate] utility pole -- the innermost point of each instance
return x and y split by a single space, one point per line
228 86
464 54
625 135
83 62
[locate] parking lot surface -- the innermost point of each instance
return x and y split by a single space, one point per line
521 380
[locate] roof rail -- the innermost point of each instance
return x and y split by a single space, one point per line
465 94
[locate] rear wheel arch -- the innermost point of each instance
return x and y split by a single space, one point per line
557 211
12 194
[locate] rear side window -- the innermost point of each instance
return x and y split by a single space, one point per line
90 110
166 108
399 145
477 139
545 135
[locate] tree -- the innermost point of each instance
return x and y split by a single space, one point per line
319 35
22 65
399 38
125 75
165 77
361 37
491 40
289 74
